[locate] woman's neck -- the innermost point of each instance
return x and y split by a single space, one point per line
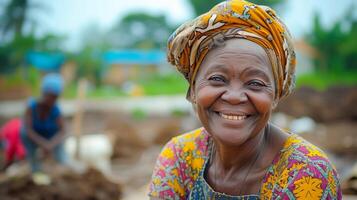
232 158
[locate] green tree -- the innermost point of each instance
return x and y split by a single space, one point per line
89 64
15 43
202 6
12 53
270 3
337 46
140 30
93 36
15 15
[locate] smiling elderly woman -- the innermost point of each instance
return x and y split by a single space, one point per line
239 61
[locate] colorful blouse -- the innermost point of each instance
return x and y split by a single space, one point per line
299 171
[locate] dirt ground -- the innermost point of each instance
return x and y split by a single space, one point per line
65 185
138 140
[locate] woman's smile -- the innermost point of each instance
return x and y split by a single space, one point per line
232 120
232 117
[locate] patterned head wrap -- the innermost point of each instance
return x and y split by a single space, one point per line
190 43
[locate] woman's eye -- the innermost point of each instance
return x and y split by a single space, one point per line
217 78
256 83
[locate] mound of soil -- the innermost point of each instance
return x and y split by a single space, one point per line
334 104
349 186
65 186
336 137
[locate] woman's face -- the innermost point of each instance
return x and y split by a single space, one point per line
49 99
234 91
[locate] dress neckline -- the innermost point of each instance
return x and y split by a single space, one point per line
249 196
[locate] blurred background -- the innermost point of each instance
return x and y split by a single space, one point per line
123 101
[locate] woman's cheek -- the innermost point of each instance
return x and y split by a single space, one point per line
206 96
263 102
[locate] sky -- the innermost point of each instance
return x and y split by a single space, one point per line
70 17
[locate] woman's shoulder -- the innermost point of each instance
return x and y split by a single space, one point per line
299 154
198 136
298 149
189 145
302 170
186 147
179 164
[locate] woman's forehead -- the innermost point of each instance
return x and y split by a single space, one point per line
239 46
247 52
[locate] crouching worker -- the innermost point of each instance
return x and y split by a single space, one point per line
43 127
11 143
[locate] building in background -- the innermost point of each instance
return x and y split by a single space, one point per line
125 65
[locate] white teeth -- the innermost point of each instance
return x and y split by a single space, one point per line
233 117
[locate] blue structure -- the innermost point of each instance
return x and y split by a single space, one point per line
132 57
45 61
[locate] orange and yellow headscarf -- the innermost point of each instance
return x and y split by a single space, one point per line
190 43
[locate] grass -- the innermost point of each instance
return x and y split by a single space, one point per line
164 84
70 92
169 84
138 114
322 81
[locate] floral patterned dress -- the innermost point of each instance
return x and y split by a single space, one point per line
299 171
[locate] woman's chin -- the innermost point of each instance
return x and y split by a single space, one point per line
231 138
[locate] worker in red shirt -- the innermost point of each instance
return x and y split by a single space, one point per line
11 142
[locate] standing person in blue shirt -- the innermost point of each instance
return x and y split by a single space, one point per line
43 126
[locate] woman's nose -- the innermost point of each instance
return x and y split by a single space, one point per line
234 95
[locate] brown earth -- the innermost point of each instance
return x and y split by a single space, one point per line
334 104
66 185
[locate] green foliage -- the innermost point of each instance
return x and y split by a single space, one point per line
97 92
141 30
32 80
15 43
106 92
202 6
323 80
14 17
138 114
152 84
163 84
178 113
14 79
89 64
337 46
270 3
13 53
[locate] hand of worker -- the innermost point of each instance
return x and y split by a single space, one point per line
47 148
52 144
